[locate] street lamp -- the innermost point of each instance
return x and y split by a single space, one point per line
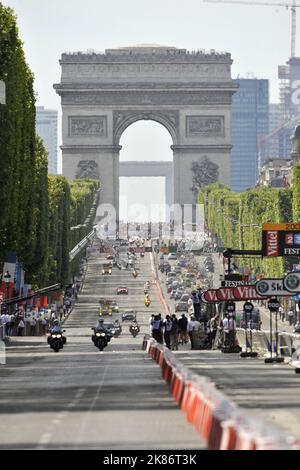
7 278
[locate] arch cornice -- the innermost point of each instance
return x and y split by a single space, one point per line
168 118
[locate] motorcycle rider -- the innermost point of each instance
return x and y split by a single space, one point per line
117 325
56 328
100 325
134 324
147 300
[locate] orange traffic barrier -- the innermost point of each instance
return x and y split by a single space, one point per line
178 387
216 431
229 435
245 440
193 406
160 357
186 397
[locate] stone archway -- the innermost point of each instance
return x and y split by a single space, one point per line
189 93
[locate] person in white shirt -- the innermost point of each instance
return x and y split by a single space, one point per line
191 306
193 325
21 327
225 324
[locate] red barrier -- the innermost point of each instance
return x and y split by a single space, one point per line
193 406
216 431
245 440
186 397
229 435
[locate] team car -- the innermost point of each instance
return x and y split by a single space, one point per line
106 268
122 290
105 307
130 315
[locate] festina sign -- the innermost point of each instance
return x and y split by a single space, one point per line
236 283
281 239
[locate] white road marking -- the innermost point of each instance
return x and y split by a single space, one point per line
85 419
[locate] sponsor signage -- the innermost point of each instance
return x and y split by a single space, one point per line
291 282
248 307
209 250
210 296
281 239
225 293
230 307
269 287
234 280
273 305
246 293
239 293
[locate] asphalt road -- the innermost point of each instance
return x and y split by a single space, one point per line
269 391
81 398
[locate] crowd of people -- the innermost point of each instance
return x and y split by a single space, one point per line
37 321
174 331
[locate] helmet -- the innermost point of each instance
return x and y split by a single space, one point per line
56 322
101 319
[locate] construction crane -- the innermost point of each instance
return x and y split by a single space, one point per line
287 5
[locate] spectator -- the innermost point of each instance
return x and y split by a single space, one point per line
196 304
150 320
280 310
191 306
68 304
156 328
168 328
182 329
53 316
213 328
61 312
21 326
32 326
174 333
11 325
161 338
231 330
44 326
189 329
6 322
291 316
225 324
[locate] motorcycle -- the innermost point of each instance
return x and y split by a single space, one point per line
100 339
146 291
56 341
134 330
118 330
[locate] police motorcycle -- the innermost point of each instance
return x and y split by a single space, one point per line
134 329
56 340
117 328
101 336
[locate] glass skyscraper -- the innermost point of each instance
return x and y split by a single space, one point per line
46 128
249 124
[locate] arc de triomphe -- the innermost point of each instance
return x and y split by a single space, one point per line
189 93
